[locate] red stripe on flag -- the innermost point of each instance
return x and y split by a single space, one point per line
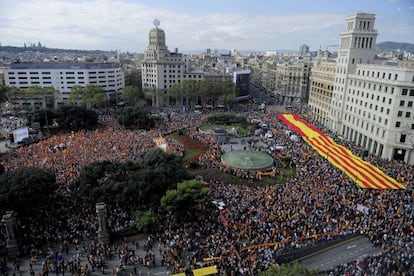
362 165
350 169
325 144
352 173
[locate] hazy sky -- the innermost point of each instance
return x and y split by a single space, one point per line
196 24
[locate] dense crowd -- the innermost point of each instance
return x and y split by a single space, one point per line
328 208
66 154
319 203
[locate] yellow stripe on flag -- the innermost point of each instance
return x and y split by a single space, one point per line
361 172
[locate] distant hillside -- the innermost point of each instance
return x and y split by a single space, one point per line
389 46
243 52
15 49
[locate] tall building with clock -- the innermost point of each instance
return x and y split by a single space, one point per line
161 69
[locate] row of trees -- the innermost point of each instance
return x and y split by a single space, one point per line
91 96
193 92
65 118
186 93
152 178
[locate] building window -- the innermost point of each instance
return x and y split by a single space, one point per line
397 124
402 138
411 92
407 114
399 113
404 92
402 103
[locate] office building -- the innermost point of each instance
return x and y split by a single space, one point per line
292 81
372 102
303 50
62 76
161 69
322 82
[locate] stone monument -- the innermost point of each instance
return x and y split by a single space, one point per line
9 223
103 235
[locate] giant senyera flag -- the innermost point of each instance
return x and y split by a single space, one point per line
361 172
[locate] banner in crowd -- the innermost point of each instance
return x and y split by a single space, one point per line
19 134
361 172
161 143
363 209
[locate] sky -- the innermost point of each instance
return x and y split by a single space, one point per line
259 25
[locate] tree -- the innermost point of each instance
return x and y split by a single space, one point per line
131 183
145 222
88 96
159 171
133 95
76 118
134 117
44 117
185 199
43 94
3 93
25 188
289 270
101 181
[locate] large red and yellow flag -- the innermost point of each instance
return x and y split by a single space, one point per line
361 172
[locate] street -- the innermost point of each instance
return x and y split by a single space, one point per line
340 254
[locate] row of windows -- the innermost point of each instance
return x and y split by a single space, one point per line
404 92
61 73
377 74
363 42
409 103
371 85
350 108
367 96
407 114
31 73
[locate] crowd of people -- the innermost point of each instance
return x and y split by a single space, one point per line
66 154
319 203
257 224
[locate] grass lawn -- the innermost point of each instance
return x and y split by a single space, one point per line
216 174
242 129
191 154
192 148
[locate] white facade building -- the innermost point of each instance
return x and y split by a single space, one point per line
322 82
379 112
62 76
372 102
161 69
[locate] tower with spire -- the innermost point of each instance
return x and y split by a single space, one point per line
161 69
357 46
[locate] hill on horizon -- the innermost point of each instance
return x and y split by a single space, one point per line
394 46
384 46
